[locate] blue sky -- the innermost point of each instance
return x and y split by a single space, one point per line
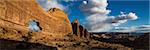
74 11
141 8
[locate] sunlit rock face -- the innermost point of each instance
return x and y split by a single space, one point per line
15 17
64 25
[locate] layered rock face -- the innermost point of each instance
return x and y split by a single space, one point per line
15 17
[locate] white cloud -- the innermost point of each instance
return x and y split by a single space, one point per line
95 6
125 29
97 19
98 22
123 18
141 28
132 16
85 2
71 0
47 4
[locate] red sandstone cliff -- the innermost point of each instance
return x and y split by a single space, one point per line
15 16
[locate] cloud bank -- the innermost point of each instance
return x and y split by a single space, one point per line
97 19
47 4
141 28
